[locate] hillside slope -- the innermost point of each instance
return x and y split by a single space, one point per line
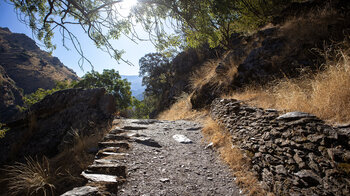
306 40
10 96
27 65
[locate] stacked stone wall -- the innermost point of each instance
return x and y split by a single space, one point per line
292 154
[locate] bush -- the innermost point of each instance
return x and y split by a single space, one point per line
3 130
40 94
112 82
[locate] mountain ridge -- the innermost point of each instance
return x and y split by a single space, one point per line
136 85
29 66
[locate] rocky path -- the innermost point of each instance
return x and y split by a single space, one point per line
151 157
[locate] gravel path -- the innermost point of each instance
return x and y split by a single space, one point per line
157 164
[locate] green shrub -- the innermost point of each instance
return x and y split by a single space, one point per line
40 94
3 130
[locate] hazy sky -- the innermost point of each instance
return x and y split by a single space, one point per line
99 59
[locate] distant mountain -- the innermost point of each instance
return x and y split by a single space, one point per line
24 68
29 66
136 86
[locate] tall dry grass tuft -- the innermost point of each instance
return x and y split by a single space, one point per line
325 94
207 74
73 160
234 157
30 178
182 110
204 74
55 175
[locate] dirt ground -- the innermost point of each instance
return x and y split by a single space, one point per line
157 164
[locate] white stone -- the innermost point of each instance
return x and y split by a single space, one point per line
295 115
99 177
80 191
182 139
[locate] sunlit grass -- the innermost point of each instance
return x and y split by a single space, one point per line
238 162
325 94
182 110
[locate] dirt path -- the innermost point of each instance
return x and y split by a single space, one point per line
163 166
156 158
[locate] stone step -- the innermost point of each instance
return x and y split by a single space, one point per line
119 144
101 177
146 122
115 137
134 127
116 155
81 191
116 121
110 149
114 169
117 130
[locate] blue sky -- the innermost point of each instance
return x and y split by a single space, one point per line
70 58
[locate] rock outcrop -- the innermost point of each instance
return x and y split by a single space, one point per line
292 154
28 66
10 97
53 124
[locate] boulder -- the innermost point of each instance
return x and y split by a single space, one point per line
53 124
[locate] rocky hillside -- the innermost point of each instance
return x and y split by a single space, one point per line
10 96
24 68
27 65
293 43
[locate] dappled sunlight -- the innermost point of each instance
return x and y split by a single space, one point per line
125 6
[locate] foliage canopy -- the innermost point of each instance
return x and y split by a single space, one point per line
112 82
40 94
157 73
192 22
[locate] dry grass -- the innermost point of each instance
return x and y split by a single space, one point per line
206 74
238 162
56 175
325 94
30 178
72 161
182 110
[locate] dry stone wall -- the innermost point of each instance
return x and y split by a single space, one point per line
292 154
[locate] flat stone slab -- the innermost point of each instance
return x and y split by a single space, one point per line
100 177
106 161
115 137
110 149
148 142
110 169
116 131
146 122
295 115
113 144
82 191
134 127
182 139
113 154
